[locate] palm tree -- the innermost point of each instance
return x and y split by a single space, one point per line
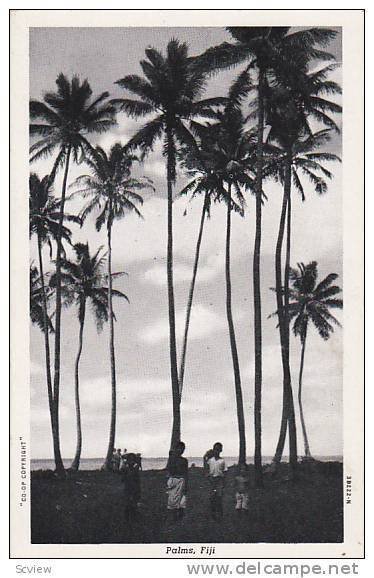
112 192
171 90
310 303
44 222
65 118
82 282
224 171
233 154
306 161
263 46
290 103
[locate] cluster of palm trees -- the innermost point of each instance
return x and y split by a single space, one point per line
272 125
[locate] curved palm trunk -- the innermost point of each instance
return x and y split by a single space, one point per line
78 449
112 431
291 408
190 297
288 412
306 442
57 361
176 428
257 286
280 309
46 336
234 350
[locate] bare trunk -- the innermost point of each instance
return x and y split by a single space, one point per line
306 442
190 297
176 428
282 294
280 309
46 337
234 350
257 288
78 449
112 430
292 437
57 360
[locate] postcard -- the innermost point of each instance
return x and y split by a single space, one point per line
187 284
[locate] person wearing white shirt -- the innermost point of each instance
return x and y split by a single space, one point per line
217 469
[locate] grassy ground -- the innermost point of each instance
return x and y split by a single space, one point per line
87 508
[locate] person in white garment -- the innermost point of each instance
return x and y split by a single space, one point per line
216 476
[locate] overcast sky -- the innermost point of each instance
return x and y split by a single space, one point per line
139 248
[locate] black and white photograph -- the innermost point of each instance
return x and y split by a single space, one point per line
186 272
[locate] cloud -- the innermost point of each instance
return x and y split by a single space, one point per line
182 273
203 322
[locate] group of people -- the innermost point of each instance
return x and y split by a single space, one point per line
215 469
119 460
177 481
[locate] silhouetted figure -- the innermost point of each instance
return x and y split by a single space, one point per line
139 461
131 481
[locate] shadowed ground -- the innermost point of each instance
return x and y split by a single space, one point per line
87 508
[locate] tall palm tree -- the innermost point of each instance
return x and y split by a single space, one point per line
307 161
295 98
112 192
233 154
65 118
171 89
83 281
224 174
310 304
44 223
262 46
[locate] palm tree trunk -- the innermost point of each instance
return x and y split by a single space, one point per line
57 361
292 437
112 431
190 296
234 350
176 427
77 457
288 412
280 309
257 286
46 336
306 442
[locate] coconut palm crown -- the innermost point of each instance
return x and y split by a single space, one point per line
44 211
310 301
65 119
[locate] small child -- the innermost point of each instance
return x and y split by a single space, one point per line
131 480
242 489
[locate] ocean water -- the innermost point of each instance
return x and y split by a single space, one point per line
157 463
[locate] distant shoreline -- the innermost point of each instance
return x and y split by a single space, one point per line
159 463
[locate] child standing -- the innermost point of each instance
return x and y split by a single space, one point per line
242 489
